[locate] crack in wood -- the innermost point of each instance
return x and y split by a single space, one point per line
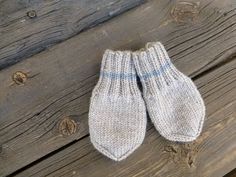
58 89
15 29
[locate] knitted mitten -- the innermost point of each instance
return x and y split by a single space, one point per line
117 115
173 102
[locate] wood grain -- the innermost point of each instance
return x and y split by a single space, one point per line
59 81
213 154
28 27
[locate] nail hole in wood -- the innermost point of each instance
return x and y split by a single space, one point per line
19 77
32 14
67 126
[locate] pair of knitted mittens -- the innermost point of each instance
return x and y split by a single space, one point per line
117 115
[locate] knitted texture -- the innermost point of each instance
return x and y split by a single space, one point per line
173 102
117 115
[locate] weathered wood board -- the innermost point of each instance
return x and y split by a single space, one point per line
28 27
213 154
53 89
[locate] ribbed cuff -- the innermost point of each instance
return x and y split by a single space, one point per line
117 74
154 67
117 65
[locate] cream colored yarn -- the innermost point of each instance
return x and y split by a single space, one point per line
173 102
117 114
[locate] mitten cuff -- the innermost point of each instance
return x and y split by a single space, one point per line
117 65
117 75
154 62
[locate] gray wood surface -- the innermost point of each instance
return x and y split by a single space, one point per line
44 99
28 27
211 155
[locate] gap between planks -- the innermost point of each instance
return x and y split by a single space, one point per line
27 28
203 157
66 73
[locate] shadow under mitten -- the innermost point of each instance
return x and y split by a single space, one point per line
173 102
117 114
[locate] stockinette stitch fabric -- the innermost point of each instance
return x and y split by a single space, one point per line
117 113
174 104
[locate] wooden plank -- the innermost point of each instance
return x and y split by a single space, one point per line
212 154
28 27
57 83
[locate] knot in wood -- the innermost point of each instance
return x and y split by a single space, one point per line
172 149
32 14
182 153
184 12
19 77
67 126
